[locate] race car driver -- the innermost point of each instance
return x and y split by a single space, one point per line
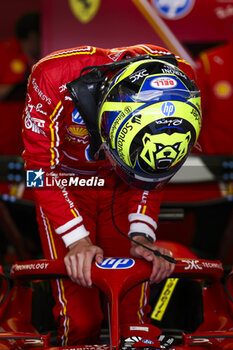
128 116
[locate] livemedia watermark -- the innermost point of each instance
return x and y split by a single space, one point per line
40 179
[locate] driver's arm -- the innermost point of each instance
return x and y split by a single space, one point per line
144 207
79 259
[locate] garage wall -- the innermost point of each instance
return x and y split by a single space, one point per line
10 10
119 22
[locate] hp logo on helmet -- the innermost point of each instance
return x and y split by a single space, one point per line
116 263
173 9
168 109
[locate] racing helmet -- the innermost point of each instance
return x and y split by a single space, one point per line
149 120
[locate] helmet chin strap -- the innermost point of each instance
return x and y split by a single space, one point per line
84 92
155 252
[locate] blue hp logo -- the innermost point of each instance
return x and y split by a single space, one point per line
173 9
35 178
76 117
147 341
116 263
168 109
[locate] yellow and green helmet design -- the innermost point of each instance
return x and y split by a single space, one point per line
149 120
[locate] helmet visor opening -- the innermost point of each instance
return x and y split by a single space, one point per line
135 178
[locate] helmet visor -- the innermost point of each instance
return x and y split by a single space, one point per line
135 178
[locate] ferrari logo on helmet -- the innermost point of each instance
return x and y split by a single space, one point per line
161 151
84 10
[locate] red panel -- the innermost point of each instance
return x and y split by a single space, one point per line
10 10
208 20
119 23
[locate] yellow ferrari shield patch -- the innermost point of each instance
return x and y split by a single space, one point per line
84 10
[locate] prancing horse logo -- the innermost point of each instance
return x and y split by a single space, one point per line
84 10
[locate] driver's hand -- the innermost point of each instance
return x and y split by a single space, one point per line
161 268
79 259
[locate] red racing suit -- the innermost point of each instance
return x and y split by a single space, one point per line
14 63
215 80
56 137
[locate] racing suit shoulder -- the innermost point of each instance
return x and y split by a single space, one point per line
155 51
63 66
